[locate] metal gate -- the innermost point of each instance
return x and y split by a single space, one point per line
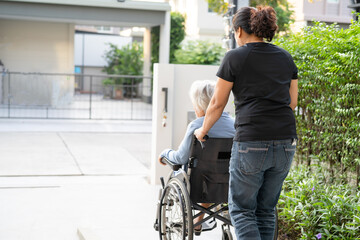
75 96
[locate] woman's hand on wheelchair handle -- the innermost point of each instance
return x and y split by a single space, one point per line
200 134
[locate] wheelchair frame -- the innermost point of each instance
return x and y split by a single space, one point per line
174 219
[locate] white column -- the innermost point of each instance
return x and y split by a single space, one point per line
2 76
164 45
161 136
178 79
146 85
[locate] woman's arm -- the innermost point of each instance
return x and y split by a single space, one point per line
215 108
293 93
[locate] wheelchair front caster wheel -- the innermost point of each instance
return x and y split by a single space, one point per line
226 234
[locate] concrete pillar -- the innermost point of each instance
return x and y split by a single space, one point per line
177 78
164 47
161 136
146 85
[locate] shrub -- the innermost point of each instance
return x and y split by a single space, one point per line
127 60
328 111
199 52
310 208
177 35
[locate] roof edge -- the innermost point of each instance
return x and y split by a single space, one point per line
127 4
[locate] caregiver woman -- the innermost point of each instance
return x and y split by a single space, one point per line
263 78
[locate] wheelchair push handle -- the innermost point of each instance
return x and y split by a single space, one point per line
206 137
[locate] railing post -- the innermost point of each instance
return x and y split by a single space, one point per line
91 77
131 98
9 95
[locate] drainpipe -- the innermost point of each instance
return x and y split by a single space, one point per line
3 72
233 10
356 6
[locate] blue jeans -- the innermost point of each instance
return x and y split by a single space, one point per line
257 172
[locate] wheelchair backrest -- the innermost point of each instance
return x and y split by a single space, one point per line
209 178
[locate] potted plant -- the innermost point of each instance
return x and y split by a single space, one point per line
110 89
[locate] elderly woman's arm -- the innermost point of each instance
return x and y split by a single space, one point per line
181 156
215 108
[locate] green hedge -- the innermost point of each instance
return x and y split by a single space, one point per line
328 113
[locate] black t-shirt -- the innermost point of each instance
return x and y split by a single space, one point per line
261 73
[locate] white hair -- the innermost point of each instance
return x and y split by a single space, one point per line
200 93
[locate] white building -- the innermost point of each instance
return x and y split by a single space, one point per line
38 36
89 57
329 11
90 50
201 22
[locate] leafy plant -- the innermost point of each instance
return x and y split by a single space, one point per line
177 35
127 60
199 52
218 6
311 208
108 81
328 112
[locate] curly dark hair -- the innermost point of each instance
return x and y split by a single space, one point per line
260 21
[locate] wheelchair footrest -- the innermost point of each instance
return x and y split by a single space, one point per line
209 225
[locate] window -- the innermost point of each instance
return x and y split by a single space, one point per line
333 1
104 29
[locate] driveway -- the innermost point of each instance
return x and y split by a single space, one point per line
74 179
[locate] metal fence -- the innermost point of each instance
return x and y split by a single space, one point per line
75 96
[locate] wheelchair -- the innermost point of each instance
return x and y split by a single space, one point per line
205 179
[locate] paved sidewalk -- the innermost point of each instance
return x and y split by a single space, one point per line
57 177
89 126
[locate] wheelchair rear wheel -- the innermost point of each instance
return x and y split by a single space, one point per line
175 212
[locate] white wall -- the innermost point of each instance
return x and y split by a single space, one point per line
94 47
32 46
325 11
97 85
211 25
178 79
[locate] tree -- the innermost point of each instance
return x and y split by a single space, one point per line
177 34
282 8
127 60
218 6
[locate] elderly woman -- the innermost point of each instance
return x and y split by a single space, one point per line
200 95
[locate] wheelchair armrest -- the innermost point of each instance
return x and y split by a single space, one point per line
173 166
